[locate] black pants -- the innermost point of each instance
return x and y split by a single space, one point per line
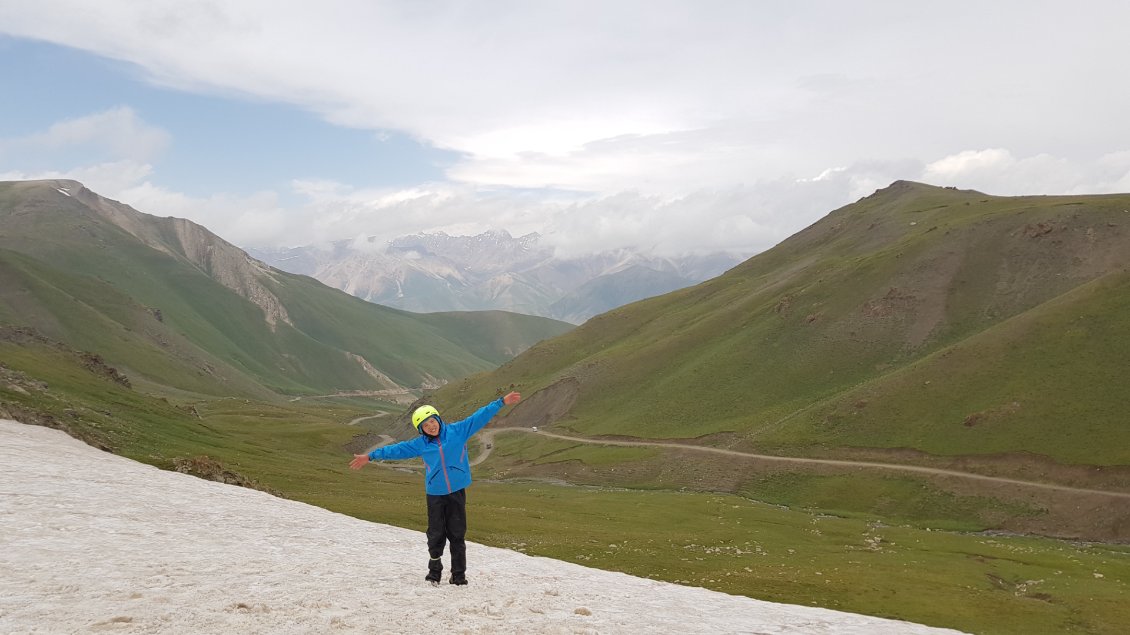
447 521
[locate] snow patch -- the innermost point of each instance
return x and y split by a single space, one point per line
62 191
94 541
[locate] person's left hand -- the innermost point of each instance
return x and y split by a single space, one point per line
359 461
511 398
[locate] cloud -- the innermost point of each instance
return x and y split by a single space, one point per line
653 96
969 162
115 134
243 220
109 179
997 171
651 124
742 219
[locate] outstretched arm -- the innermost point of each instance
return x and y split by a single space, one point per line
482 416
403 450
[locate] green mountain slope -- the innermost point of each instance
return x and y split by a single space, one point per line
1045 381
817 346
167 300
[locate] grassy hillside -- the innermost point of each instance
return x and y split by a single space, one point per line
920 325
1044 381
839 311
974 582
94 315
176 305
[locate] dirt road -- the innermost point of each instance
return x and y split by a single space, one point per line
487 439
385 440
360 419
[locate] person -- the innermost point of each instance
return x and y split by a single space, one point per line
447 474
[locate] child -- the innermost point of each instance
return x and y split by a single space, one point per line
446 477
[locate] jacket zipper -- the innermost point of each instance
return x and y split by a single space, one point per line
443 464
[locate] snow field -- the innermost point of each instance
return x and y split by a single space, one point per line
93 542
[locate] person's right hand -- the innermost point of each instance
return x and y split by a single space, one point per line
511 398
359 461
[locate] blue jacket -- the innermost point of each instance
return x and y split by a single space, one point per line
446 469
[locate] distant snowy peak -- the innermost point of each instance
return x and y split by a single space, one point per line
443 241
493 270
495 250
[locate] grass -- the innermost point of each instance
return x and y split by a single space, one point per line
860 563
971 582
894 498
1040 383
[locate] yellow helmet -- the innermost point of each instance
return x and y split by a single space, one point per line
421 415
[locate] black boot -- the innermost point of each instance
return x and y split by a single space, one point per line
458 579
435 570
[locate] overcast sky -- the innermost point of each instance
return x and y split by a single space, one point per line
668 125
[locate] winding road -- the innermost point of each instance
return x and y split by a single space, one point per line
385 440
360 419
487 439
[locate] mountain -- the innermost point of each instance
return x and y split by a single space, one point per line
170 303
919 322
610 290
493 270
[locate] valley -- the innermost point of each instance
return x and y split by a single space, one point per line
912 409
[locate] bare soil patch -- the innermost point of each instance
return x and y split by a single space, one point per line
543 408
